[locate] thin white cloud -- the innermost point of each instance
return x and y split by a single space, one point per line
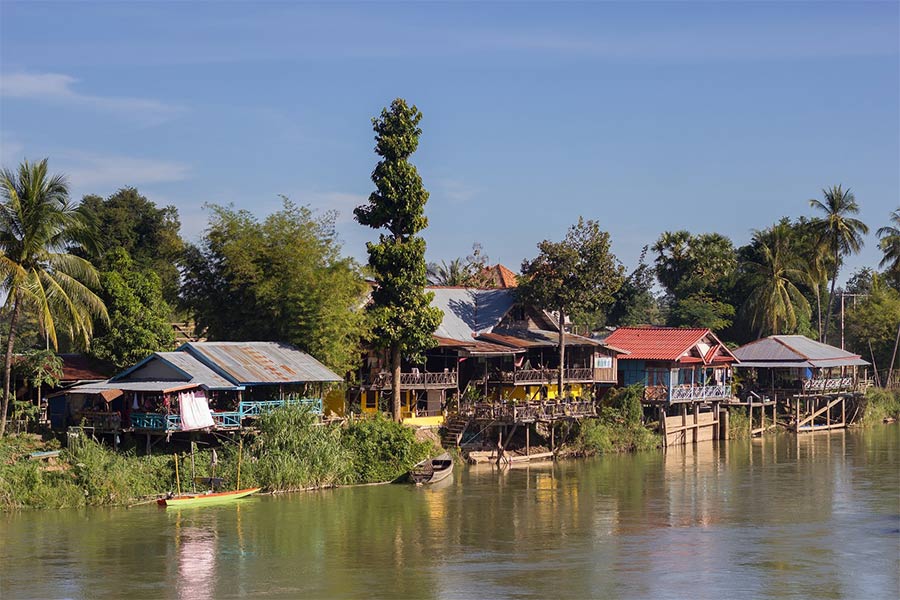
453 190
85 170
342 203
59 88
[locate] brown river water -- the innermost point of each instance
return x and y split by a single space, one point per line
815 516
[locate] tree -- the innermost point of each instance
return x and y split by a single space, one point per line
775 304
842 233
282 279
889 242
872 324
402 318
138 314
578 274
701 310
150 235
453 273
38 225
635 303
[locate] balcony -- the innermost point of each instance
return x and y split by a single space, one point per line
542 376
417 381
813 387
687 393
528 412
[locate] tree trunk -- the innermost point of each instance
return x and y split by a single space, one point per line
395 382
7 371
819 309
562 354
831 299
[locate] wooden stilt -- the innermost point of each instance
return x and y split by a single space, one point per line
527 440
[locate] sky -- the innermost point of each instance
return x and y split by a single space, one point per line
718 116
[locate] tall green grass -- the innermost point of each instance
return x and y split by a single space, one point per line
880 405
290 450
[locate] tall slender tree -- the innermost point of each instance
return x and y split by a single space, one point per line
775 302
578 274
403 320
889 241
842 233
38 227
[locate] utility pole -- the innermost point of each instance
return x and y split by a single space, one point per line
844 295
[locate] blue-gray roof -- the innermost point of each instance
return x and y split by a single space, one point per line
794 351
183 367
247 363
468 311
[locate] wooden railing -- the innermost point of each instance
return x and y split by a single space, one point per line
545 410
542 376
440 380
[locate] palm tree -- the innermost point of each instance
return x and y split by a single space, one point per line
890 243
842 233
38 225
775 301
455 273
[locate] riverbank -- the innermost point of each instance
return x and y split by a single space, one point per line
290 451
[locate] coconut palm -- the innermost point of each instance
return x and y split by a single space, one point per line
455 273
775 302
842 233
38 225
890 243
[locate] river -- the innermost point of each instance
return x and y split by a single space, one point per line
810 516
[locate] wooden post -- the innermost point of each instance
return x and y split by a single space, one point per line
696 422
527 440
828 413
177 478
843 412
662 426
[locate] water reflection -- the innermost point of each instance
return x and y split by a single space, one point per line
815 516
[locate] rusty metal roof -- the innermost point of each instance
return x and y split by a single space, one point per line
248 363
663 343
478 347
534 338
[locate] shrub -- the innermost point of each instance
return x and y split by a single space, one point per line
381 449
879 405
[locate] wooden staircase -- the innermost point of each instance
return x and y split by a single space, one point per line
453 431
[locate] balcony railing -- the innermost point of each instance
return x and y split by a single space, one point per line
226 419
826 386
440 380
546 410
542 376
686 393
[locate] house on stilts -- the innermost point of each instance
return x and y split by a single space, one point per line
686 374
812 382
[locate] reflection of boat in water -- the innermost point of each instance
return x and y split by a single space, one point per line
202 499
432 470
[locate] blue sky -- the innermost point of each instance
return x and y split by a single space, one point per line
716 116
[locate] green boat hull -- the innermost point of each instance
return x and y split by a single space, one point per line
188 500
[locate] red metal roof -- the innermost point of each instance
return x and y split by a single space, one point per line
655 343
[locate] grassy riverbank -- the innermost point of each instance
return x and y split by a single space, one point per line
880 406
290 451
618 428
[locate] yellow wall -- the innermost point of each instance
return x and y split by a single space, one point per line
529 392
334 402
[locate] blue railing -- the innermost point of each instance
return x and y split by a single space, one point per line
160 422
148 421
256 408
227 419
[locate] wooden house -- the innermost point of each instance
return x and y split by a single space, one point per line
489 350
222 383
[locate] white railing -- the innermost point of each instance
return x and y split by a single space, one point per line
840 384
700 392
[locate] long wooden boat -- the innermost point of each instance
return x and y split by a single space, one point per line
206 498
432 470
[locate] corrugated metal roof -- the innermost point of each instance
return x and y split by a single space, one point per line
198 371
796 349
468 311
132 386
658 343
477 347
260 362
535 338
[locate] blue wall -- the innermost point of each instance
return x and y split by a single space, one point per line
633 371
